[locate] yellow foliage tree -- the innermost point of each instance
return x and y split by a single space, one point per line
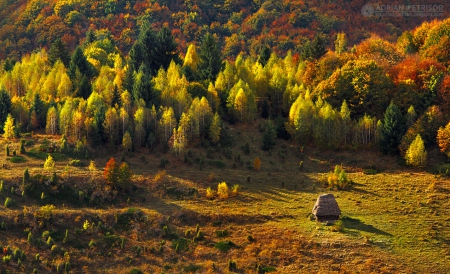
127 143
9 128
215 128
191 58
210 193
257 164
416 155
92 168
222 190
49 163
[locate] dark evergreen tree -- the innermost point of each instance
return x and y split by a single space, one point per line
97 132
26 176
282 132
5 107
90 37
81 72
116 97
314 49
84 87
190 74
265 109
128 80
393 127
137 57
210 58
58 51
8 65
147 39
142 88
306 51
196 89
264 55
166 49
269 137
318 46
41 111
79 62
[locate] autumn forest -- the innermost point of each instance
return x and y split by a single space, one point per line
175 78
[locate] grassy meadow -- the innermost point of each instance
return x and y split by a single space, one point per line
394 219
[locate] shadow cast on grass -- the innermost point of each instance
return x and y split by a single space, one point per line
192 217
356 224
362 191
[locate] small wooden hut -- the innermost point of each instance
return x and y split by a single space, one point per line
326 209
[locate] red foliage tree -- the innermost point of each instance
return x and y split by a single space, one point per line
443 94
111 172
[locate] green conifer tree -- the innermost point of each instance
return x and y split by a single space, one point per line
393 128
58 51
270 136
210 58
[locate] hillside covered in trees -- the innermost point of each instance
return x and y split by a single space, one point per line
241 25
376 94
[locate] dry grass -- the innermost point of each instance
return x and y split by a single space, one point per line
393 221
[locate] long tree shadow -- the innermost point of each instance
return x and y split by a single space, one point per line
357 187
192 217
356 224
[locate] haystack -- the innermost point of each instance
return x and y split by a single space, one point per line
326 208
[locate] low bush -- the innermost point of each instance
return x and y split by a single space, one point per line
338 179
188 233
370 170
18 254
50 242
22 147
30 238
9 202
55 250
246 148
136 271
224 246
232 266
250 238
29 143
200 236
160 176
228 153
192 268
92 244
210 193
235 190
217 164
180 244
7 259
163 163
76 163
222 233
17 159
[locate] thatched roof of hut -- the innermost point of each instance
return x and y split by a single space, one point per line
326 205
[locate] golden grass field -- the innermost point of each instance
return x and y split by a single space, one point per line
394 221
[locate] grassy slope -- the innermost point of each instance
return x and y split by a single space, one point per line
393 221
